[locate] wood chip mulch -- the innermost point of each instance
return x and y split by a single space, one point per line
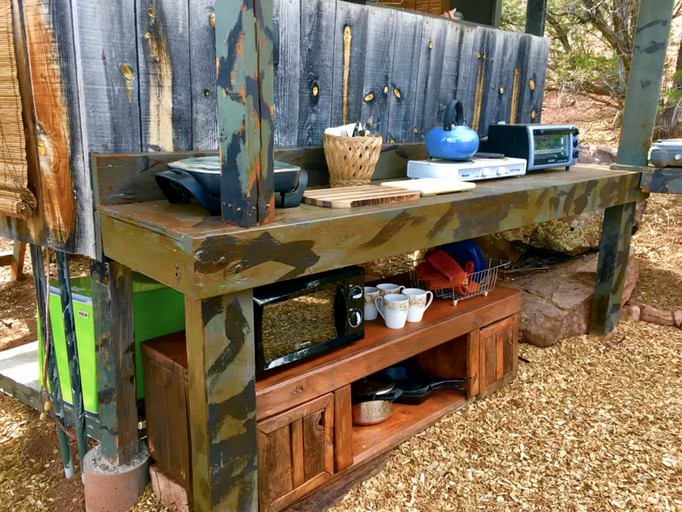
591 424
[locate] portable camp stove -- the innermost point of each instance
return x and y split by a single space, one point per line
478 168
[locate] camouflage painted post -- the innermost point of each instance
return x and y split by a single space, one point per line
614 250
222 402
72 354
245 92
52 374
112 295
644 84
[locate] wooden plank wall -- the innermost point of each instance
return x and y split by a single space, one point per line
139 75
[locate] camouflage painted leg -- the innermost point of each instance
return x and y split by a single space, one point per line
222 402
613 261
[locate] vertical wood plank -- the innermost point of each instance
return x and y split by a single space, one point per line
245 85
473 358
471 62
106 49
612 266
265 204
430 71
501 60
501 339
313 444
533 54
222 401
164 72
64 176
315 88
112 298
297 453
17 265
343 429
202 72
379 62
403 86
328 419
287 71
350 33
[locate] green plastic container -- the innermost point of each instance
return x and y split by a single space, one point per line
157 311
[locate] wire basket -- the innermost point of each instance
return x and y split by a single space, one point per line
485 282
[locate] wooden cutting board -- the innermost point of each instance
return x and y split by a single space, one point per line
432 186
363 195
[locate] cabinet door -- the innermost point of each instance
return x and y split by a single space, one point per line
498 354
295 452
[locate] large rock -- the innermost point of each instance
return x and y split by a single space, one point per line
556 303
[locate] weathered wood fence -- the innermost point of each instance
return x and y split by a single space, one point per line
135 75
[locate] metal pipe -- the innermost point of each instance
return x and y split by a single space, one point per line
55 392
72 354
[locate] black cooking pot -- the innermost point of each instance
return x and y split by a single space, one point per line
417 385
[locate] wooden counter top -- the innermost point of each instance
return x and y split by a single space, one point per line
202 257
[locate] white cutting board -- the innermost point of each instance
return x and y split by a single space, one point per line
432 186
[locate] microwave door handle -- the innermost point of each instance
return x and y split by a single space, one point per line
340 310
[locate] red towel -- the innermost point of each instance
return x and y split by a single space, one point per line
441 271
444 263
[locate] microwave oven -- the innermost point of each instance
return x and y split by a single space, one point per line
308 315
543 146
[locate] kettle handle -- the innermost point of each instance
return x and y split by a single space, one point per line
454 114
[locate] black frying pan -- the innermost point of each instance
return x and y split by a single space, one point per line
417 385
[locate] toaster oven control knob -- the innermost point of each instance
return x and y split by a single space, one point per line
576 154
355 318
355 292
575 142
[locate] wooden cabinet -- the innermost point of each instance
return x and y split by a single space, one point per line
305 435
498 354
295 452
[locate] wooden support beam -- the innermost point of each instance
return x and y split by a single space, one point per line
222 402
644 84
536 14
612 267
245 92
17 265
112 296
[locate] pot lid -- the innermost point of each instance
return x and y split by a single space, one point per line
376 384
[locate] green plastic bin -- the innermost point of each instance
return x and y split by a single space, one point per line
157 311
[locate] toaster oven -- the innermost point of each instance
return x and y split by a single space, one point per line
543 146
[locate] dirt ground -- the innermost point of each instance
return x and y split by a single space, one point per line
590 424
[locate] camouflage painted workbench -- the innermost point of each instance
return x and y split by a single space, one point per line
216 266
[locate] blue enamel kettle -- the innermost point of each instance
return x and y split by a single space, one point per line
455 140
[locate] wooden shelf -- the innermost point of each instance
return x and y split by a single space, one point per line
380 348
405 421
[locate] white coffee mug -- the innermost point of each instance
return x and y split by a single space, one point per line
419 301
393 308
386 288
371 293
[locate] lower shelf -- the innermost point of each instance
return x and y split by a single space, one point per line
405 421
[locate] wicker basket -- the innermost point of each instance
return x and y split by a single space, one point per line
351 160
